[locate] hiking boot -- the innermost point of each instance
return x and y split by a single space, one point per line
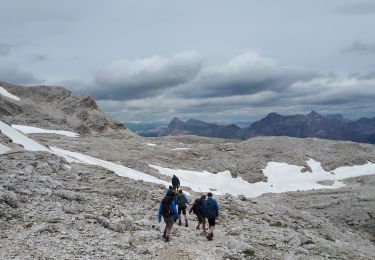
209 238
179 222
166 239
186 224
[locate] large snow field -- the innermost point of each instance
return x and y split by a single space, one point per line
5 93
35 130
281 177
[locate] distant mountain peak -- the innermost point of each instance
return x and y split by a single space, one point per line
314 114
273 114
175 122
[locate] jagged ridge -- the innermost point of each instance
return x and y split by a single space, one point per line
332 127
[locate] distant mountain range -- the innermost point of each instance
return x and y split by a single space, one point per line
333 127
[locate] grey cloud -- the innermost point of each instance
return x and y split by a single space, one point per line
333 91
246 86
359 8
330 94
5 48
360 48
12 74
245 74
39 57
141 78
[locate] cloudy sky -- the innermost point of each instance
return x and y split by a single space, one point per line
214 60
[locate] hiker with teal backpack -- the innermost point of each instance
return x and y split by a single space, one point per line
211 212
168 210
197 209
181 201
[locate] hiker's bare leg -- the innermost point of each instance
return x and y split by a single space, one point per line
169 231
211 230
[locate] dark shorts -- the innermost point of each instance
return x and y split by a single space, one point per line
211 221
201 218
169 221
182 209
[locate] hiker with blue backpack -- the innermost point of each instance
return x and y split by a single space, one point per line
211 212
181 201
168 210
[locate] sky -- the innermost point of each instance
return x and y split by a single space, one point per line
213 60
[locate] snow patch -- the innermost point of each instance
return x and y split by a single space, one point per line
19 138
180 149
281 177
4 149
5 93
150 144
35 130
117 168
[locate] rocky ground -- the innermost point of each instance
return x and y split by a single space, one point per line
50 209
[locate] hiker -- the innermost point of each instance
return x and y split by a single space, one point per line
170 188
211 212
197 209
181 201
175 183
168 210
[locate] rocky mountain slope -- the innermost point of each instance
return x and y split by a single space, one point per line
54 107
332 127
51 208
